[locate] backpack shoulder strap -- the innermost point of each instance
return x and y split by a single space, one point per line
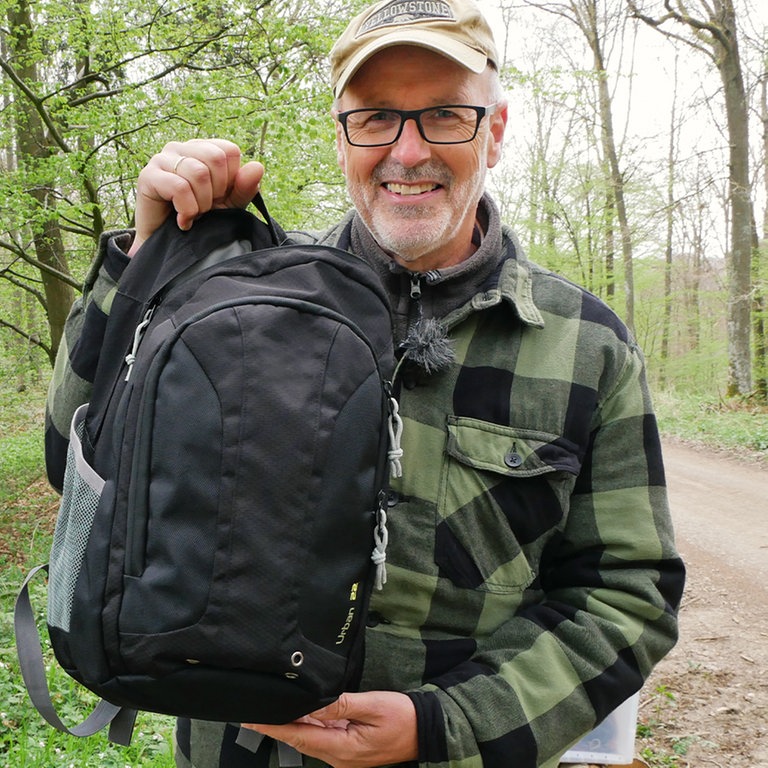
119 719
287 756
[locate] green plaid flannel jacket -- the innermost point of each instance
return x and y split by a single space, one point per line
533 580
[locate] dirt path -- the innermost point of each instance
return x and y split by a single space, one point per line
711 692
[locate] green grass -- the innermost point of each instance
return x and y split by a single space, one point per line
737 426
21 439
26 741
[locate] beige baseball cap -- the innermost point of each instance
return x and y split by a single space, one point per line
453 28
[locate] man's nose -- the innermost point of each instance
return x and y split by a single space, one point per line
411 148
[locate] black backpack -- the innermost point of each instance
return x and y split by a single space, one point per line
225 486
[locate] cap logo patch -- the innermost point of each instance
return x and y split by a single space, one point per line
407 12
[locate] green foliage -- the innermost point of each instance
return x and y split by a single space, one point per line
656 760
662 698
20 459
731 425
21 443
92 90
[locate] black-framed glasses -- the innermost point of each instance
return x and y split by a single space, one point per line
444 124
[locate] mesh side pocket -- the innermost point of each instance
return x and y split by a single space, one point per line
80 498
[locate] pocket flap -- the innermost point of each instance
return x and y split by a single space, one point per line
509 450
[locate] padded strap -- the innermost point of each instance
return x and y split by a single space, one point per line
287 756
32 667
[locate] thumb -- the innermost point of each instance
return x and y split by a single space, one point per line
342 708
246 184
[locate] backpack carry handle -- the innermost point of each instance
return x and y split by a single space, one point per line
278 237
119 719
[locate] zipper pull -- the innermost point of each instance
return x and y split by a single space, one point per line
415 286
138 334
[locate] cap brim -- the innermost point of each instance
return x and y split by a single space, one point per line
469 58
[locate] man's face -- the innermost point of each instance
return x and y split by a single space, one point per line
419 200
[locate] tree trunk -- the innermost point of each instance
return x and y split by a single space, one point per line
697 261
610 247
668 249
587 20
742 229
33 146
759 308
716 35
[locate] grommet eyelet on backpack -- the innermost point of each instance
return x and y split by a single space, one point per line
297 658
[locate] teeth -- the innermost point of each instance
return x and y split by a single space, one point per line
410 189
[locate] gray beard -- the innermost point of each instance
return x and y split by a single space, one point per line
414 247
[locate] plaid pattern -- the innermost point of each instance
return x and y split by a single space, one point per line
523 609
518 612
78 356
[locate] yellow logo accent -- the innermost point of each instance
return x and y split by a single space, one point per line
353 592
342 636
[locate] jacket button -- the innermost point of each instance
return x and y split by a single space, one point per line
513 460
393 498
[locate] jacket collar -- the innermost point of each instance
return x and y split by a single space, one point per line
510 281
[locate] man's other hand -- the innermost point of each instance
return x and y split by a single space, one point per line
358 730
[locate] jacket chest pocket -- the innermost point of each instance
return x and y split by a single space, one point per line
503 492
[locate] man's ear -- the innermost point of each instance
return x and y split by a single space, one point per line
341 156
496 133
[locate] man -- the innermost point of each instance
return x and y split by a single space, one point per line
533 580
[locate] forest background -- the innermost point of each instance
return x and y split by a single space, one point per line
635 165
635 160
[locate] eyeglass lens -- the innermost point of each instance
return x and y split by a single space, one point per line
439 125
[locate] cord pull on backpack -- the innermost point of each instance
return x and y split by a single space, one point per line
222 521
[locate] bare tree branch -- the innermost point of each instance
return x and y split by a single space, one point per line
32 338
24 285
715 30
658 23
37 103
21 254
143 83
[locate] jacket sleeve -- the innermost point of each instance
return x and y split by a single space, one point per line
78 355
611 585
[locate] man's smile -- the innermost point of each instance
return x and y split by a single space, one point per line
410 189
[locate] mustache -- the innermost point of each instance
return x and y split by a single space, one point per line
387 170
